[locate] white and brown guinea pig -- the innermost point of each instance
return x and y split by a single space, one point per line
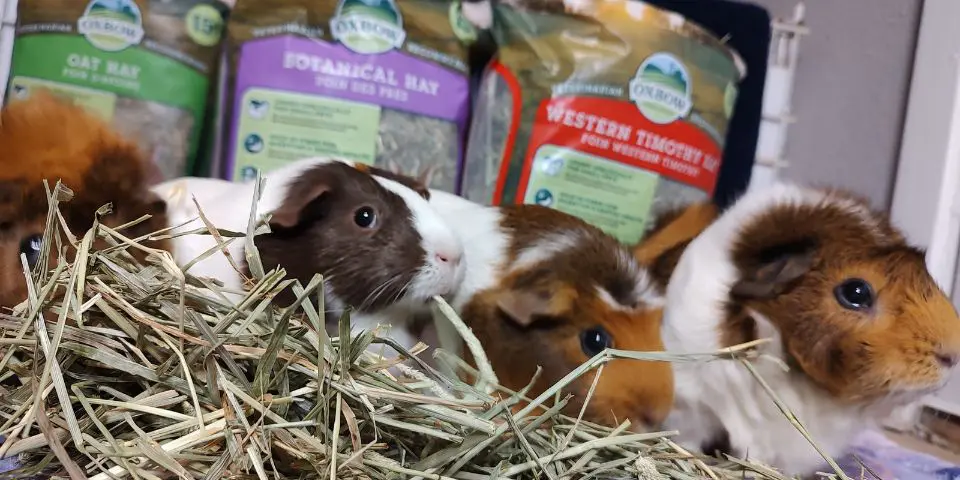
45 137
380 246
544 288
850 306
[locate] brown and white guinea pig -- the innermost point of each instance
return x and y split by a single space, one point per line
851 309
46 138
382 249
544 288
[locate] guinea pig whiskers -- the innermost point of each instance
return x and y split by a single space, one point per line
400 293
374 294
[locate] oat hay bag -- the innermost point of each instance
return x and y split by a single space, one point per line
374 81
610 113
143 65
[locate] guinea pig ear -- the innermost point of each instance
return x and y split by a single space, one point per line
779 268
522 306
290 214
525 306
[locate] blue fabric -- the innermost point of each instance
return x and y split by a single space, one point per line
7 464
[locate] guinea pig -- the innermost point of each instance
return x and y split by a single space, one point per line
851 309
47 138
382 249
544 288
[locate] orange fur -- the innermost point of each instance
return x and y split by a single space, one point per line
672 230
897 346
636 390
661 248
47 138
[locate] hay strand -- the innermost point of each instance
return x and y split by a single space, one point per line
118 369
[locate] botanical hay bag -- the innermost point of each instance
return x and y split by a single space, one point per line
144 65
374 81
610 114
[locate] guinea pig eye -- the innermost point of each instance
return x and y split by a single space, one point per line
365 217
854 294
594 340
30 247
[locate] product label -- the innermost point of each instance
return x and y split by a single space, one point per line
111 25
278 127
661 89
613 196
368 27
98 102
610 159
145 70
336 100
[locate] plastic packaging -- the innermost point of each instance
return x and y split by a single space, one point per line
610 113
143 65
374 81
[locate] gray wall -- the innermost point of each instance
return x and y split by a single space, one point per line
850 92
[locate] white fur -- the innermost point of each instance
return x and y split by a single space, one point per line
227 206
546 248
723 393
485 247
484 243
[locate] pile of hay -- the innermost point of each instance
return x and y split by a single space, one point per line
158 376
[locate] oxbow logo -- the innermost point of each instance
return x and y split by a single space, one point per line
661 89
368 26
111 25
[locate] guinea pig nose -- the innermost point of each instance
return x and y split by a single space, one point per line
444 256
947 360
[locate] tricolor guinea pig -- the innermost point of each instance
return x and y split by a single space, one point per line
46 138
849 305
544 288
382 249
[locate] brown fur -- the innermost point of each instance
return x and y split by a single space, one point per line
416 184
791 258
673 230
535 316
44 137
314 232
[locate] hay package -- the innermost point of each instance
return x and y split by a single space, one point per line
373 81
144 66
612 113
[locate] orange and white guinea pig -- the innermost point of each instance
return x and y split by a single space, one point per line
850 307
46 138
544 288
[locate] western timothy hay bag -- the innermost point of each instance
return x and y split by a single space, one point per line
374 81
143 65
610 113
